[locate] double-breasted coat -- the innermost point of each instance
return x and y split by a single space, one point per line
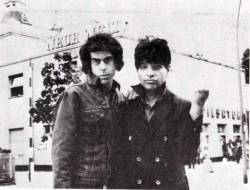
152 154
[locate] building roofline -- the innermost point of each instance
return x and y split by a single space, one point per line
41 55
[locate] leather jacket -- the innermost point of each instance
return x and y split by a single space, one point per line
81 135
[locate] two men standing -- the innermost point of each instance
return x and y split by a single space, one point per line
141 143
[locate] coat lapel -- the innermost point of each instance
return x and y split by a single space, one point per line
163 112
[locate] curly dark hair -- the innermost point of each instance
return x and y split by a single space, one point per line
101 42
152 51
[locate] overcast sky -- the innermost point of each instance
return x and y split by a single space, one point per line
192 6
167 6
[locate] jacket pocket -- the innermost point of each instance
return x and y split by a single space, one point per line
92 116
93 125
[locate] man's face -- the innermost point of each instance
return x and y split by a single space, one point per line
152 76
102 66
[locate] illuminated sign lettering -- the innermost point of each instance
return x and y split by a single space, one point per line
111 27
221 114
75 38
60 42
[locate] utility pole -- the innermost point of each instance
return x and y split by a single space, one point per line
31 125
245 179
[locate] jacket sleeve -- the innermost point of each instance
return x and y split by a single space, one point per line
63 140
190 140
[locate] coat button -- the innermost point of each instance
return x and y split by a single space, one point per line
157 159
130 138
158 182
138 158
139 181
165 138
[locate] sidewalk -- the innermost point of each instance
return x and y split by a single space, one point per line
43 180
226 176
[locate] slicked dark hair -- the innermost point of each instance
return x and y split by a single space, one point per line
153 51
101 42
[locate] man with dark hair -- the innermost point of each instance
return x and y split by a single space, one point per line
160 131
84 119
97 43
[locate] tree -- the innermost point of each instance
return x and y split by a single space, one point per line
56 77
245 65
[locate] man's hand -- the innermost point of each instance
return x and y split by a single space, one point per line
198 101
120 96
130 94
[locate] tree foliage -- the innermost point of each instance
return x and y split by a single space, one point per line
56 77
245 65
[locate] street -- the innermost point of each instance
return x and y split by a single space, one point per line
225 176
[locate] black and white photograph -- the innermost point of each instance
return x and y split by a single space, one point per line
124 94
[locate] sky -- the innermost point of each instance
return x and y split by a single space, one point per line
191 6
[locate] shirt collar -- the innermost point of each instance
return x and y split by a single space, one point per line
160 91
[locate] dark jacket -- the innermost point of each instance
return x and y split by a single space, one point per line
153 154
80 143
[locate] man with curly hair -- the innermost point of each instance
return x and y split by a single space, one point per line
84 119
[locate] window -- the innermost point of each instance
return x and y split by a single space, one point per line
204 127
236 128
16 85
237 138
221 128
47 129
